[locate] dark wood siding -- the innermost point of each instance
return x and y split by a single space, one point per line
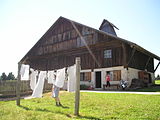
116 59
59 47
139 60
64 37
67 58
61 44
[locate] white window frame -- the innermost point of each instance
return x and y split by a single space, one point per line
108 53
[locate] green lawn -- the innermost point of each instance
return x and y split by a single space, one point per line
157 82
148 89
96 106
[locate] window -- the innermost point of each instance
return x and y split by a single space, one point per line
86 76
108 54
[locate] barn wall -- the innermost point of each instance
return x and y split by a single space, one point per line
57 61
65 37
126 75
139 60
60 46
132 73
103 74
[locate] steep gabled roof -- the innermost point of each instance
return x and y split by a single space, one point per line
108 27
137 47
109 23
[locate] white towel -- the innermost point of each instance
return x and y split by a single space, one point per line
60 77
24 72
51 77
33 78
72 78
39 86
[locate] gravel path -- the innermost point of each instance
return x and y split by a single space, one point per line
145 93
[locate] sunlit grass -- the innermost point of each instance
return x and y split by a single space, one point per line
92 106
157 82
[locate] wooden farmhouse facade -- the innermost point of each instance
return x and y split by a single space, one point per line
100 51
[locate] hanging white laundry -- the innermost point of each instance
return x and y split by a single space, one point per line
51 77
71 79
60 77
33 78
24 72
40 84
65 85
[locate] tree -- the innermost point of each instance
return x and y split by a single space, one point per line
10 76
4 76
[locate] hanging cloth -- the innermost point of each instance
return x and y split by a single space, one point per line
40 84
51 77
24 72
60 77
33 78
71 78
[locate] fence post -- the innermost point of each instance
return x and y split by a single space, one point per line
18 85
77 92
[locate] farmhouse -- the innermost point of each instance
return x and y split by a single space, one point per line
100 51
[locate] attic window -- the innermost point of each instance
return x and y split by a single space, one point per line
108 54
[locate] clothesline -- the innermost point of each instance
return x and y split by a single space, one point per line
57 78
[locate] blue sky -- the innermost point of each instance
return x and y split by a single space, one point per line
23 22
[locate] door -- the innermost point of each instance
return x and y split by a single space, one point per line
150 78
98 79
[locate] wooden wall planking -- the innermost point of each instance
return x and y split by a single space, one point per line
62 44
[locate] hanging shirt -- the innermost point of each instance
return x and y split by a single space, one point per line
40 84
71 78
60 77
33 78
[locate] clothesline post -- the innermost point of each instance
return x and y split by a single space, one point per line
77 92
18 85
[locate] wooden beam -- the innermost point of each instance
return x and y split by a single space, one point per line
18 85
147 63
133 51
156 67
138 48
124 55
77 92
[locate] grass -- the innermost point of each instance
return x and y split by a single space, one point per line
157 82
154 88
95 106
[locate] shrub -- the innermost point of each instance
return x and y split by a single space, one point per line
84 87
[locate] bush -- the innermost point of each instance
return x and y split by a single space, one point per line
84 87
